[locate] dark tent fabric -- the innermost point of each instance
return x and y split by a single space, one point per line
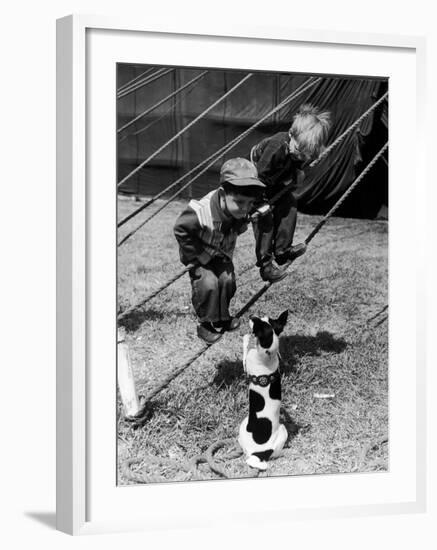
346 98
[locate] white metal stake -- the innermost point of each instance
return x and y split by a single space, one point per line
125 377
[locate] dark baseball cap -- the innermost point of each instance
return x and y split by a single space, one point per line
240 172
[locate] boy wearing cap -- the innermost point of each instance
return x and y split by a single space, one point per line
207 231
281 160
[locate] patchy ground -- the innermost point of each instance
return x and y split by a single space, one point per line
335 343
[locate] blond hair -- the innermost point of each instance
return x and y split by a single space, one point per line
309 131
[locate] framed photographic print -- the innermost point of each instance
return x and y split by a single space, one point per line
239 332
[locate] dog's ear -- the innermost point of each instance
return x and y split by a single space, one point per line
279 323
282 319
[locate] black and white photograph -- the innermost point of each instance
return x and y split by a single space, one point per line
252 274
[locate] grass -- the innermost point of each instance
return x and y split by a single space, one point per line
335 342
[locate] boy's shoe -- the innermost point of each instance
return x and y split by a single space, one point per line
207 333
229 325
291 254
271 273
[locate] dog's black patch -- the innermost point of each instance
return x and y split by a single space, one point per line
261 428
264 455
275 389
263 331
256 402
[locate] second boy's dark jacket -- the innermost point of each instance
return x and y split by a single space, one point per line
275 165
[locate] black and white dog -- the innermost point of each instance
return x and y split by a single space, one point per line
261 435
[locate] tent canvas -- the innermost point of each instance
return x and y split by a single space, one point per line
346 97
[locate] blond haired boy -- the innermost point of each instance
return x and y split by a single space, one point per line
281 160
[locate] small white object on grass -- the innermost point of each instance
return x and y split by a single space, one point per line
324 395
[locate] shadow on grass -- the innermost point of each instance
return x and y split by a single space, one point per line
292 427
136 318
227 372
291 348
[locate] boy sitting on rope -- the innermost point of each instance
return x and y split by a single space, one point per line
207 231
281 160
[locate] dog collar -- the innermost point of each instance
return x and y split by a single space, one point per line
264 379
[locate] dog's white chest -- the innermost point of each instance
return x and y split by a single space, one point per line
258 362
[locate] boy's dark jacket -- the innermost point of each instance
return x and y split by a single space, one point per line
204 230
275 165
